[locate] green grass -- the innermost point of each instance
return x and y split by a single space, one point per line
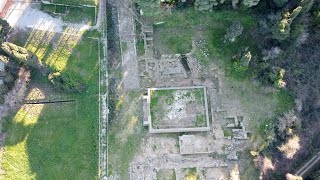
77 2
200 120
71 14
191 173
175 34
57 141
125 135
227 133
140 47
140 41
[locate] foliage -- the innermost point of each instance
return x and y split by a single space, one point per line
149 7
233 32
23 55
282 23
288 124
200 120
241 64
227 133
264 164
64 81
4 30
250 3
316 19
291 147
293 177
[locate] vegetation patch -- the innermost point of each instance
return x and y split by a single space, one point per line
191 173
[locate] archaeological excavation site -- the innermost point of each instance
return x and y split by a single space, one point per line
193 130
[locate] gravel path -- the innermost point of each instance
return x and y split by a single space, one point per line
128 46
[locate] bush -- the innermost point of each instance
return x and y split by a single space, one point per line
66 83
233 32
288 124
290 147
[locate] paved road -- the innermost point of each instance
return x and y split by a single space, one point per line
128 46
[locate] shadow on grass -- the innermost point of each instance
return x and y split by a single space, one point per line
57 141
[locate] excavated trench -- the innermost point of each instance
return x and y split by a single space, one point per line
114 57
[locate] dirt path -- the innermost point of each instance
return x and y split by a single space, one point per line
128 45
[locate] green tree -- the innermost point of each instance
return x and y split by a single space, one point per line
233 32
24 56
282 24
4 30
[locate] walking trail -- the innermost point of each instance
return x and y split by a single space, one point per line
128 45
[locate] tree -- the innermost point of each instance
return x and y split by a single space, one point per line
250 3
291 147
282 24
23 55
293 177
4 30
233 32
288 124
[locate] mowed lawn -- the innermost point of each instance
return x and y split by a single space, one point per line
60 140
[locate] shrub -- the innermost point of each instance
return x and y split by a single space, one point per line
66 83
282 23
288 124
290 147
233 32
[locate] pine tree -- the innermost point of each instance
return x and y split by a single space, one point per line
282 25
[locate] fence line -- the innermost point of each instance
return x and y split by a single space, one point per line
103 98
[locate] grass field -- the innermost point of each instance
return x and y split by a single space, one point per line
57 141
